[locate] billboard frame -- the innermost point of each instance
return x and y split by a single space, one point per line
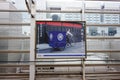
78 57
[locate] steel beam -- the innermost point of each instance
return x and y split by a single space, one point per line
102 37
104 51
15 24
55 65
88 24
110 11
14 51
10 37
88 51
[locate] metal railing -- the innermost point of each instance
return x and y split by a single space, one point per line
89 75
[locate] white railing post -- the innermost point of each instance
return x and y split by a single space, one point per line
32 40
83 19
83 10
83 69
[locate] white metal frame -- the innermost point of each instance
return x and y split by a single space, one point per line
32 40
83 19
32 37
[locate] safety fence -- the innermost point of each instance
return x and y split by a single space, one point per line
13 42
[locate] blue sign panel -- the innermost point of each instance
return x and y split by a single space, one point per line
57 39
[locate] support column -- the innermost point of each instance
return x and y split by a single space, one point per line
83 19
83 69
83 10
32 40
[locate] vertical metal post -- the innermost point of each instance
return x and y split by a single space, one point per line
83 69
32 40
83 60
83 10
83 19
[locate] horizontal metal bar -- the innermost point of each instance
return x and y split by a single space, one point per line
104 73
75 65
60 73
44 11
91 65
116 77
14 77
103 25
88 24
14 24
5 10
113 76
89 37
14 51
75 73
58 11
43 73
14 74
88 51
105 11
104 51
56 65
69 60
104 76
102 37
41 76
95 74
99 11
10 37
14 65
117 10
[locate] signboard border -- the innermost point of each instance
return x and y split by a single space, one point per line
81 57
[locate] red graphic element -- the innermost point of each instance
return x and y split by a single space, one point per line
60 24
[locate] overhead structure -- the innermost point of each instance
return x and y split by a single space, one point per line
31 8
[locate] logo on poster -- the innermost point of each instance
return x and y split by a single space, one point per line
60 36
51 36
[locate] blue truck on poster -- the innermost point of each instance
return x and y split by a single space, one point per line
57 39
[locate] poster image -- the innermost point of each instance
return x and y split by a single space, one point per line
56 39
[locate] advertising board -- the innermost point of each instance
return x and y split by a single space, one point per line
56 39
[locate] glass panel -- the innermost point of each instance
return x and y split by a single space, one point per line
15 44
103 31
15 31
103 44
